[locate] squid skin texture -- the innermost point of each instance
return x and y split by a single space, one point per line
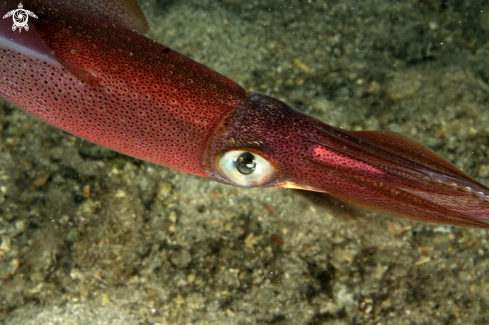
377 170
121 90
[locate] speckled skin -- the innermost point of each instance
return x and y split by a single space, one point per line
123 91
382 171
137 96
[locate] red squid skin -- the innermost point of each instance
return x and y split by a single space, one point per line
121 90
378 170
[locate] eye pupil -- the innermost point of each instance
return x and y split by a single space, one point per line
243 168
246 163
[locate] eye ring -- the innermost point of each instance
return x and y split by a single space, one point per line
245 168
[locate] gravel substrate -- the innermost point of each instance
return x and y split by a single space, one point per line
89 236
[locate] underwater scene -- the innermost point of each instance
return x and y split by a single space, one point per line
92 236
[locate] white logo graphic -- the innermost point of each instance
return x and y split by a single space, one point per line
20 17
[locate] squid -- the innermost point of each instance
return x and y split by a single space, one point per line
87 69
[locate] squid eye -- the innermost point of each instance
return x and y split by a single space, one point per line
246 163
245 168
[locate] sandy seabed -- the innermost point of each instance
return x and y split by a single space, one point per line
89 236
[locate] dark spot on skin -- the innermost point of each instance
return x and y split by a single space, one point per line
166 50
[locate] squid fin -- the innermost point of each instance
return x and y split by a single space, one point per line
127 13
28 42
